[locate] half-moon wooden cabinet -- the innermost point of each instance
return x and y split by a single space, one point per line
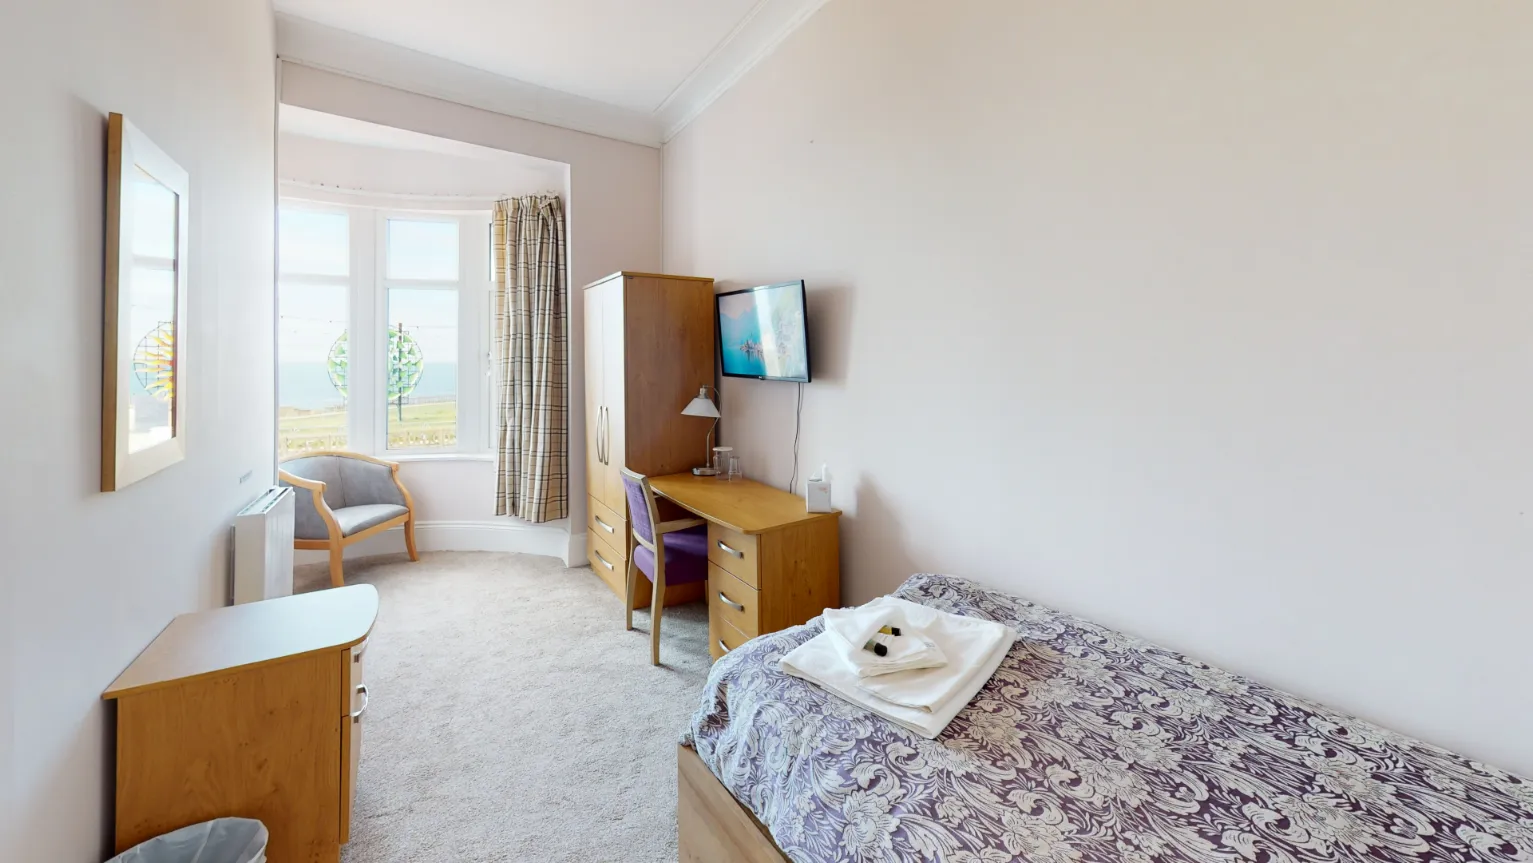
251 711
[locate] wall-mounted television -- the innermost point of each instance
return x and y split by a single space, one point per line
763 333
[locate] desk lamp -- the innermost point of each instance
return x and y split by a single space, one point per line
702 406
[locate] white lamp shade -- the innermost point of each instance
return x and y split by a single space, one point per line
701 406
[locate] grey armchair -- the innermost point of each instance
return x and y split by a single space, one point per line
349 498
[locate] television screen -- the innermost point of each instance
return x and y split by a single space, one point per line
763 334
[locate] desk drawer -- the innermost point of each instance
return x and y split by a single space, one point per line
723 637
608 526
733 601
734 552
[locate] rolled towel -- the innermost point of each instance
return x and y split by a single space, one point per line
876 639
857 626
904 653
821 661
966 641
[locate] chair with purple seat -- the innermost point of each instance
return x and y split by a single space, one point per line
667 552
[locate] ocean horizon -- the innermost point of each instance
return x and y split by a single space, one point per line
306 386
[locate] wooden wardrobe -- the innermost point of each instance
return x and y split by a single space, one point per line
649 347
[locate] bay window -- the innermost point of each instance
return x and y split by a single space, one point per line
383 330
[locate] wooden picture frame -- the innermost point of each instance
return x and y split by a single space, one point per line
143 353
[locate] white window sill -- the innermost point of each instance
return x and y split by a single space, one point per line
408 457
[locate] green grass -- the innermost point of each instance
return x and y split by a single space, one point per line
432 425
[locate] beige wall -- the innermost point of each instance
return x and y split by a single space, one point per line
614 206
91 578
1207 320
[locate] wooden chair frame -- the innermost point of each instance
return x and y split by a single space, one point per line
337 543
660 528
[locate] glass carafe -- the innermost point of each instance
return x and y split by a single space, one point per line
721 456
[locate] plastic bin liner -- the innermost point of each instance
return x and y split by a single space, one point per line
224 840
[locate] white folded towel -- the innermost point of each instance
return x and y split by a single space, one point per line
822 661
905 653
855 627
967 641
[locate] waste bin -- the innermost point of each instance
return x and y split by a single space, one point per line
224 840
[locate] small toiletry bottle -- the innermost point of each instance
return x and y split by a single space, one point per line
817 491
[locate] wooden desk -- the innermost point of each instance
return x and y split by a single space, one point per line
253 711
771 565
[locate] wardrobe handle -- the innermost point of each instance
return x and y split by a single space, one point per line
600 412
729 602
603 560
603 525
357 717
727 550
606 436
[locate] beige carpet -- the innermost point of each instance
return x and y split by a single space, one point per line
512 717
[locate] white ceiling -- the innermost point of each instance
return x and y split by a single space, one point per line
633 69
625 53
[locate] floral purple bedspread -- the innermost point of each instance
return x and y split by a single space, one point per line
1089 746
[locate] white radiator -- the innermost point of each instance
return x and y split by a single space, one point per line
263 548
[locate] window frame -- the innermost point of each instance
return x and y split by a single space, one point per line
367 315
349 282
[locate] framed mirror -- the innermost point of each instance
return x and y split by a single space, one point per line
143 400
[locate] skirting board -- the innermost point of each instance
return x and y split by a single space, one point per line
546 540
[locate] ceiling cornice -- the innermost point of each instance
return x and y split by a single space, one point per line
310 44
753 40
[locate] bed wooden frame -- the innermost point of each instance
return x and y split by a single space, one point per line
712 826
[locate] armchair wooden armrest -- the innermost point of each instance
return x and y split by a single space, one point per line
666 527
316 490
371 486
393 467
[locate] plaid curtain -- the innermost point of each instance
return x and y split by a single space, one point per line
531 359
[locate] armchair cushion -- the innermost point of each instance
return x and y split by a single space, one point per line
325 469
355 519
360 493
369 483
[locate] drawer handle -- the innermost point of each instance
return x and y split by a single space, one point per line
357 717
729 602
722 646
356 655
727 550
603 560
603 525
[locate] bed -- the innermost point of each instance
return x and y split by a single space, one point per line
1087 746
